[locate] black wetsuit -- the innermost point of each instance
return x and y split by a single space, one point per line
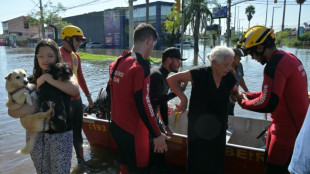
159 98
159 94
207 121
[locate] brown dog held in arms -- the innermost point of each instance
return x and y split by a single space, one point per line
21 92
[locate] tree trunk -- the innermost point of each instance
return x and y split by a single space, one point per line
196 32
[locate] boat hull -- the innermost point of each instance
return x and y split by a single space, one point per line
239 159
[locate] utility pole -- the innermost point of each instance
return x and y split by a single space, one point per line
147 11
235 19
299 21
228 18
182 28
238 21
273 16
228 23
283 15
131 23
266 15
42 20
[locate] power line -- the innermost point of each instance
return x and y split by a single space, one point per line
87 4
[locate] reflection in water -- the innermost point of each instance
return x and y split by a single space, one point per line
195 62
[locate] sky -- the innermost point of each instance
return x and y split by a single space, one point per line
15 8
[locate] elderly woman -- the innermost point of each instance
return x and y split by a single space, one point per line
207 116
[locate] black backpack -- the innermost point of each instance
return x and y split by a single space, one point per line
102 105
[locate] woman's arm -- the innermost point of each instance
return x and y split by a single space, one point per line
243 85
175 83
22 111
70 87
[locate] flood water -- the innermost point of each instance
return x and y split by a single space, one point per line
12 134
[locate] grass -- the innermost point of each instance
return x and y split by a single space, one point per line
89 56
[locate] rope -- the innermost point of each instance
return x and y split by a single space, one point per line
43 145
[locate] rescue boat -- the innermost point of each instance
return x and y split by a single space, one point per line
245 140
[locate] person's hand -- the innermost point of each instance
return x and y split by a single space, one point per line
90 102
43 78
170 110
242 95
168 130
160 145
181 108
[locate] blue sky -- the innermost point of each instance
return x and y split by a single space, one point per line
11 9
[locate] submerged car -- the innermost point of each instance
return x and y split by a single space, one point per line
185 44
83 45
94 45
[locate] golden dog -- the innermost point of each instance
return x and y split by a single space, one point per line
21 92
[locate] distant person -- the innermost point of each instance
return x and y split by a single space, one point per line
237 70
52 151
208 107
132 115
171 61
283 94
72 36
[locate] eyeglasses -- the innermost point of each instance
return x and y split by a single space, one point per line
78 39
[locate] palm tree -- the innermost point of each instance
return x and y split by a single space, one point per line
195 13
300 2
250 11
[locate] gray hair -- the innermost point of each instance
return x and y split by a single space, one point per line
220 54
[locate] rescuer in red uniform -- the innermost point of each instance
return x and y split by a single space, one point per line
283 94
132 114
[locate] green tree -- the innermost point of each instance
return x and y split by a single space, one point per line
197 12
305 36
51 14
250 11
173 24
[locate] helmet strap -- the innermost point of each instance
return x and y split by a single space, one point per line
261 54
70 42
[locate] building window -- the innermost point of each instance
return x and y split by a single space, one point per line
26 25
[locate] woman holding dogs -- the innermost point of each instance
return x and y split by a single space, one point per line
52 152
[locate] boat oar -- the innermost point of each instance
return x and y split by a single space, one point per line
262 133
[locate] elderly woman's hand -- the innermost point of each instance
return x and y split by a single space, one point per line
181 108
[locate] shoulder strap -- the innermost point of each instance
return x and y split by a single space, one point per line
117 62
114 69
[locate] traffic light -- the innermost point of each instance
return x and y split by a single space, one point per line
177 5
275 1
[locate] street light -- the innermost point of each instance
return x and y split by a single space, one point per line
239 25
228 18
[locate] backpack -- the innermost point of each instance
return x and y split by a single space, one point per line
102 105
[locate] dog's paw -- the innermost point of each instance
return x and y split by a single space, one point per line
51 104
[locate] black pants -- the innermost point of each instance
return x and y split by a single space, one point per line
276 169
231 108
77 118
125 143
